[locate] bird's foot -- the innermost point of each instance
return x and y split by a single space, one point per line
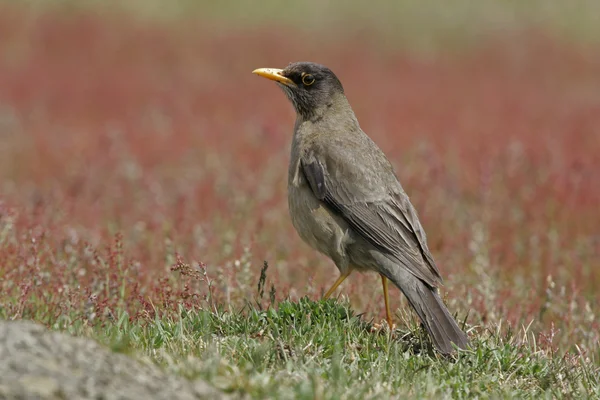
382 326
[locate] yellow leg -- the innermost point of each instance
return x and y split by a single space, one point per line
388 314
336 284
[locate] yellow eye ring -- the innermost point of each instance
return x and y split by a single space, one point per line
308 79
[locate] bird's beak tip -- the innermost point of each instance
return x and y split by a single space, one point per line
274 74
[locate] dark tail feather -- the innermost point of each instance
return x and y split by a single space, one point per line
436 318
442 328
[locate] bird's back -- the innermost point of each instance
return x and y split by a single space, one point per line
349 155
363 189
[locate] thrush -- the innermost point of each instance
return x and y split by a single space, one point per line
345 200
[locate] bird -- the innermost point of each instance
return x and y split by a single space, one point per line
346 202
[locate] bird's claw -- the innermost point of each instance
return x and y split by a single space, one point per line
379 327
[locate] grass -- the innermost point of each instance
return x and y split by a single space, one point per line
322 349
309 349
142 188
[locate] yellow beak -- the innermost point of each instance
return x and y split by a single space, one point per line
274 74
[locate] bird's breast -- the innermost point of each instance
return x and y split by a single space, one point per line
308 215
315 223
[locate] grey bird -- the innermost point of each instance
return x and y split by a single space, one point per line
346 202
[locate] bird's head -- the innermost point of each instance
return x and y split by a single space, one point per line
312 88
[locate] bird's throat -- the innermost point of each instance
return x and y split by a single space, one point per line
335 109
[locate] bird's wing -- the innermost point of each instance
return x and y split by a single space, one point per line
383 216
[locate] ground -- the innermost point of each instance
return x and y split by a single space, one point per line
143 189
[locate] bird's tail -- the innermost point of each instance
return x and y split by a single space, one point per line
434 315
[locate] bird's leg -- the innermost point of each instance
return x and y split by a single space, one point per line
388 314
336 284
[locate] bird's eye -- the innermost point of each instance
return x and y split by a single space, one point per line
308 79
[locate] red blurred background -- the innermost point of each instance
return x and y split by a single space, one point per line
157 130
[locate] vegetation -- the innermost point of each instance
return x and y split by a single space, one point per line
143 188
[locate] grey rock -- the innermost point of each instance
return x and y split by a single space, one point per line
36 363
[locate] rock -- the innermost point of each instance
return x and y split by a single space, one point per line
36 363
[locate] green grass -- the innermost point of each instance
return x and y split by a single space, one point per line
322 350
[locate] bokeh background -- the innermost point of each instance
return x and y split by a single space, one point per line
132 131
